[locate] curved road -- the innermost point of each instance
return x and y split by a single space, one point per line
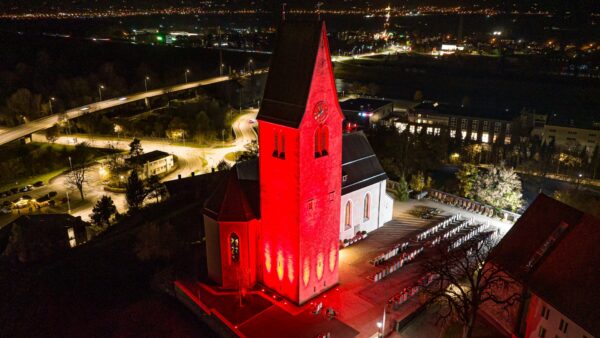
190 159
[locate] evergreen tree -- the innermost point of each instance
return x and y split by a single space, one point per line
103 211
417 181
401 191
135 192
135 147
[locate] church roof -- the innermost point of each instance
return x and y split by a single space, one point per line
291 71
236 198
553 250
360 167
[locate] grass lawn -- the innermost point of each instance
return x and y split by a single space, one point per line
234 156
24 164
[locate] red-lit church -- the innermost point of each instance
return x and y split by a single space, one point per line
278 221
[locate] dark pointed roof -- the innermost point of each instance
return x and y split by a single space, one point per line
236 198
291 72
554 250
360 167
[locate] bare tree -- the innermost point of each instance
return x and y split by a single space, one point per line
465 280
77 178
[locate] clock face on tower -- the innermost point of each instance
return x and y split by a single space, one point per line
320 112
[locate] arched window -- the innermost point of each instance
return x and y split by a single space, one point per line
282 147
317 143
234 248
367 206
276 144
324 140
348 217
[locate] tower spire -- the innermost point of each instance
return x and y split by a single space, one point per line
319 4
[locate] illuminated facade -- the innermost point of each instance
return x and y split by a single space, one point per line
277 221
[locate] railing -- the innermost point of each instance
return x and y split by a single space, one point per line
472 206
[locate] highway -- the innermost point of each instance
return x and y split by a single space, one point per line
15 133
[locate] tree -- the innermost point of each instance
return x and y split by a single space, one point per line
155 188
500 187
135 193
135 147
103 211
223 166
464 281
417 181
23 102
467 178
250 153
401 191
77 178
52 134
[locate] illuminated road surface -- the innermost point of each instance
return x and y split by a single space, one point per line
15 133
189 160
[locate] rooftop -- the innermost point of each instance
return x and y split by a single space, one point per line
363 104
579 123
553 250
148 157
431 107
291 72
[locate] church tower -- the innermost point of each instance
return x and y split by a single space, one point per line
300 138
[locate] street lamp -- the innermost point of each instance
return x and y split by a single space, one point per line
146 79
100 87
187 71
50 103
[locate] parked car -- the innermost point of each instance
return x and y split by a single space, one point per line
14 190
38 184
52 194
24 189
6 210
6 204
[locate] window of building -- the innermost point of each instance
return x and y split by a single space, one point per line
367 207
463 134
311 204
429 131
507 140
348 216
545 312
453 133
453 122
497 126
486 125
474 136
475 125
437 131
276 144
234 247
463 124
563 326
542 332
324 141
485 137
508 128
282 146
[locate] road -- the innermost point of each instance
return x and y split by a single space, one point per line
15 133
190 159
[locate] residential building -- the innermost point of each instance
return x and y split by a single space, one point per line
365 111
552 255
478 125
153 163
31 238
572 134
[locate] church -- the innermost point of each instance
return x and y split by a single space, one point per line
280 220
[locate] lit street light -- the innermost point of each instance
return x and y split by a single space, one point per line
187 71
100 87
50 103
146 79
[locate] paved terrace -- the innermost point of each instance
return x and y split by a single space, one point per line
359 302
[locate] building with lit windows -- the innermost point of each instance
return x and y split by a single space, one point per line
552 255
279 220
478 125
366 112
